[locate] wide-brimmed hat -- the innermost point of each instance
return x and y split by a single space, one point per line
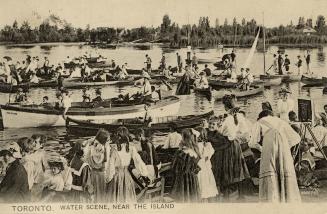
12 148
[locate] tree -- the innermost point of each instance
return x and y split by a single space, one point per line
301 23
320 24
243 22
165 24
309 23
234 21
217 23
225 22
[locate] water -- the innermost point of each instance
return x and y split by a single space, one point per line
191 104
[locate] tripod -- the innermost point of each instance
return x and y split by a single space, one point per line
305 126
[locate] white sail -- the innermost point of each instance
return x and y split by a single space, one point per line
253 48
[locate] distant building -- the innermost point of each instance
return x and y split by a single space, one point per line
308 30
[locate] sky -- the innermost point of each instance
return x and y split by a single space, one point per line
136 13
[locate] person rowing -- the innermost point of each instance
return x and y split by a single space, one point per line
202 82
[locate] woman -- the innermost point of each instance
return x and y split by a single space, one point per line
284 104
208 188
96 155
230 167
121 187
185 168
277 178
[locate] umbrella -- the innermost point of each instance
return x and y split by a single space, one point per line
8 58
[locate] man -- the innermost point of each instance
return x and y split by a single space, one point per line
207 70
233 56
148 63
179 62
287 63
203 81
163 62
98 97
308 60
194 61
46 65
14 186
280 62
299 65
274 64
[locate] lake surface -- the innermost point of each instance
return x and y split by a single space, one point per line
191 104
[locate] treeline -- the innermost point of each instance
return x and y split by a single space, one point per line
203 34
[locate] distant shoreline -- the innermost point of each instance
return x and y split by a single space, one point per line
283 45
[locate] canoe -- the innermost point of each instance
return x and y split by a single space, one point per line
221 83
24 116
162 124
312 81
291 78
207 92
9 88
218 95
271 80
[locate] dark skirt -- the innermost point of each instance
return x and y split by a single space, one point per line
229 166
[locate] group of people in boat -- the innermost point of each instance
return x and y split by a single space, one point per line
210 163
281 64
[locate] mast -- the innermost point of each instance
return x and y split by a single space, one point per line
264 44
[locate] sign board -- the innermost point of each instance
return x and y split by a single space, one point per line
305 110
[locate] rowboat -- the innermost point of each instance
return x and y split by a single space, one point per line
312 81
162 124
9 88
271 80
222 83
291 78
24 116
207 92
218 95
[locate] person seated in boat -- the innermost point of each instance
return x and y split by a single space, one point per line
101 59
122 74
98 97
173 139
34 78
167 73
154 94
86 95
113 64
233 76
68 60
247 78
3 76
20 96
45 102
207 70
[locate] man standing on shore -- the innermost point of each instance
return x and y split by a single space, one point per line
179 62
280 62
308 60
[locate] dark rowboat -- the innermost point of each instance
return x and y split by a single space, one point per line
9 88
220 65
218 95
207 92
162 124
312 81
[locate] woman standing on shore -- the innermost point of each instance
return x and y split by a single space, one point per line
228 162
121 187
185 168
96 156
277 178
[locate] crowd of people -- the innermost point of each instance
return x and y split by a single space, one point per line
209 163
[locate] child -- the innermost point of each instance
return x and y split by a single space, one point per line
208 188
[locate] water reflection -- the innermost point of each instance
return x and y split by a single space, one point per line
321 56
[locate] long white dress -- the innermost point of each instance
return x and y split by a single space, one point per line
277 178
206 178
284 107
